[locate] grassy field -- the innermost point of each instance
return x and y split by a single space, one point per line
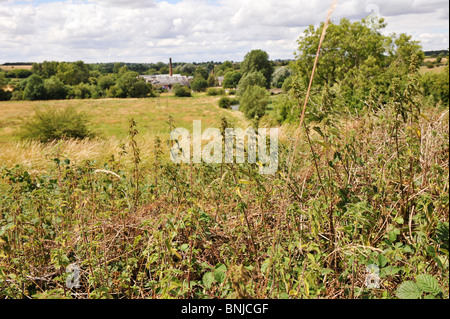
109 119
15 67
367 194
437 69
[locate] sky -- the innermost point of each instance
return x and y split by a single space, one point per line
149 31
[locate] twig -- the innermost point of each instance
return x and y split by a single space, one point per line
325 26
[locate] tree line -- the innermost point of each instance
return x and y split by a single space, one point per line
358 66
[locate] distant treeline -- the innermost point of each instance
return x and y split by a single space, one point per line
17 63
435 54
80 80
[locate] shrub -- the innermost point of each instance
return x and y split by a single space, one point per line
19 74
287 85
225 103
181 91
17 95
215 92
34 88
199 84
115 92
5 95
235 101
56 124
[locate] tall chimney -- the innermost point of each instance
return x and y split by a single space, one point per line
170 67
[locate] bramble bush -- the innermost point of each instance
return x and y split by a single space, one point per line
55 124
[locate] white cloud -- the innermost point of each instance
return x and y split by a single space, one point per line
151 31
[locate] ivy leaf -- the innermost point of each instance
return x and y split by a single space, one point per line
428 284
408 290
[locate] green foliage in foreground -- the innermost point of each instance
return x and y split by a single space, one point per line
358 195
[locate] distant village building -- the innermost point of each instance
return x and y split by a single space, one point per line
167 81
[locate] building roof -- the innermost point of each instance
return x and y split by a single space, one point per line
166 79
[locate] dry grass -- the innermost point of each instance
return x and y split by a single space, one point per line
438 69
109 119
15 67
444 60
35 156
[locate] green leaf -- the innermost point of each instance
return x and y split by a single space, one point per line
265 265
431 251
393 236
137 240
382 261
318 130
219 276
326 271
428 284
389 271
220 273
208 279
408 290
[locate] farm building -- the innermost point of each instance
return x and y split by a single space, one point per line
167 81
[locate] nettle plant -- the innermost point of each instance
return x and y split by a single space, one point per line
425 287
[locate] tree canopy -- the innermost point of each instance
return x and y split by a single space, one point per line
355 59
258 61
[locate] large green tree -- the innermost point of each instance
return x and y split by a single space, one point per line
46 69
250 80
258 61
55 89
356 59
280 75
132 86
254 102
231 79
73 73
34 88
199 84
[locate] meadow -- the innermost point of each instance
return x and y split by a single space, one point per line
15 67
109 120
364 193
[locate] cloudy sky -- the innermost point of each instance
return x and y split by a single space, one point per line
192 30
